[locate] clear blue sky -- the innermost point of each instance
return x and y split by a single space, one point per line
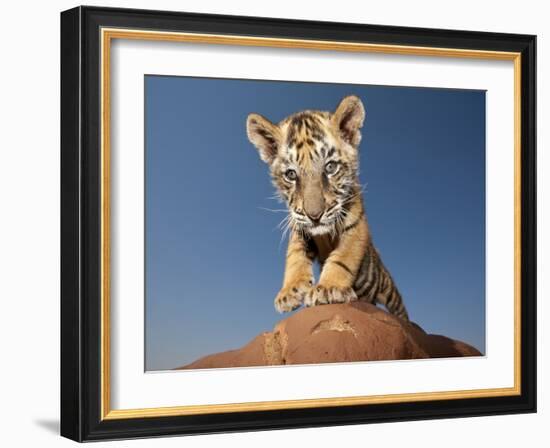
214 260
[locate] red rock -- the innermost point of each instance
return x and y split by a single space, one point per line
337 333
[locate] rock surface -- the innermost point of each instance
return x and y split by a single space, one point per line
337 333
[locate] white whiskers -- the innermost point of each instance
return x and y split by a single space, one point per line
274 210
361 190
284 226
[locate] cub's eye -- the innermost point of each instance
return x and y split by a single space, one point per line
291 175
331 167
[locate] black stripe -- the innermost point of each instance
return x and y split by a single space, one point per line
373 287
369 278
343 266
318 136
392 301
361 278
387 284
351 226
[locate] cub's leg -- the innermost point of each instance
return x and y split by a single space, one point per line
340 268
387 293
298 278
390 297
374 284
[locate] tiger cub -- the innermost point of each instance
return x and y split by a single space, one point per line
313 160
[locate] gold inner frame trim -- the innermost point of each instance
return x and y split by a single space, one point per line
107 35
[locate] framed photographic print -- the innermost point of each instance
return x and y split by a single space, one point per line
276 224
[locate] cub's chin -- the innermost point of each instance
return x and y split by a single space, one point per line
320 229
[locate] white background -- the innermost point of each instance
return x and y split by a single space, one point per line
29 229
132 388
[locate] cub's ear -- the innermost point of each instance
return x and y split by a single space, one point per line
348 119
264 135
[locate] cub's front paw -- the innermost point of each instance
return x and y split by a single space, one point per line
322 295
292 296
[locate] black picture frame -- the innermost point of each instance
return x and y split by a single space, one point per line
81 224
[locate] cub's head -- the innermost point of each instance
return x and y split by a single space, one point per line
313 160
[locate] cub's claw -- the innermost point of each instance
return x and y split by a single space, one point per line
292 296
322 295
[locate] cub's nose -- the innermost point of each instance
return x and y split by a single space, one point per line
315 216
